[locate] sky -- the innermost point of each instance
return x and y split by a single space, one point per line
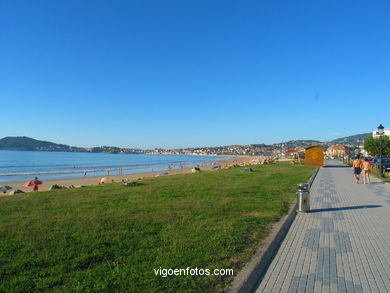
192 73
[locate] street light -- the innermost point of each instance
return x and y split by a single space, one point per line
380 133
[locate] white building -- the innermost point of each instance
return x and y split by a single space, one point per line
386 132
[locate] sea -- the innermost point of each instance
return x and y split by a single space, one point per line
18 166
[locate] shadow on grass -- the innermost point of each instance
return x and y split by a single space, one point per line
344 208
132 184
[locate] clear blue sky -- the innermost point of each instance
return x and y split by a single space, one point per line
193 73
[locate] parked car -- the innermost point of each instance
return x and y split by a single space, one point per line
386 163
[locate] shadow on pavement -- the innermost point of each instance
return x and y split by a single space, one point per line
344 208
337 166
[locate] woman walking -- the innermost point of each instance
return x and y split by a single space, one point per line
357 168
366 171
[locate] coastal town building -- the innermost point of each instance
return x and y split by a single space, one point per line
336 150
296 153
291 152
362 151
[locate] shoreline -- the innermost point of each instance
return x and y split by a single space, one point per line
94 180
123 168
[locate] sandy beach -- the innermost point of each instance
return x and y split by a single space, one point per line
86 181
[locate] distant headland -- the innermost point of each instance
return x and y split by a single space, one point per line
24 143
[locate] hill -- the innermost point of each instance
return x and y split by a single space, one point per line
301 143
24 143
354 140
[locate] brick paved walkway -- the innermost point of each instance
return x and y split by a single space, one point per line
343 245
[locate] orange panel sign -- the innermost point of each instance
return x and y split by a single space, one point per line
314 156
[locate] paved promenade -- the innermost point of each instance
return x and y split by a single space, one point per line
343 245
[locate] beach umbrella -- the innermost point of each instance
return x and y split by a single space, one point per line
104 179
32 182
5 188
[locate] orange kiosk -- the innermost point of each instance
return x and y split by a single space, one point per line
314 156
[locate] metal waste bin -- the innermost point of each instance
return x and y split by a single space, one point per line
303 194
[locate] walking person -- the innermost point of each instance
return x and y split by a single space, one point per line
36 183
366 171
357 168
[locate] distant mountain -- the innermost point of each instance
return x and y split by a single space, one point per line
303 143
354 140
24 143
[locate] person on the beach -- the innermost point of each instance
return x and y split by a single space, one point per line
357 168
366 171
35 186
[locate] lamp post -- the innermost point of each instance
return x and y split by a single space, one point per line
380 133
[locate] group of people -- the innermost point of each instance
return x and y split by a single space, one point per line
360 165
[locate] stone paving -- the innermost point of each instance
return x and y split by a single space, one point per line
342 245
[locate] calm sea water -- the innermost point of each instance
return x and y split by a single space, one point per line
25 165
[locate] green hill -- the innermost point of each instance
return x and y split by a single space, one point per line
355 140
301 143
24 143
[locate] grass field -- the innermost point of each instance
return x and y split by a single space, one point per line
112 237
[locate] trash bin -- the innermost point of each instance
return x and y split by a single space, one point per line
303 194
303 186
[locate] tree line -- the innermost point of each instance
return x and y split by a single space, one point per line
372 146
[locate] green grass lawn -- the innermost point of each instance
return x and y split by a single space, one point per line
112 237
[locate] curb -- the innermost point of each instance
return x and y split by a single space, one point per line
253 272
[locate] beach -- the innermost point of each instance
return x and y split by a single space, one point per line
87 181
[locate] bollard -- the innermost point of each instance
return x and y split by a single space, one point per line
303 199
